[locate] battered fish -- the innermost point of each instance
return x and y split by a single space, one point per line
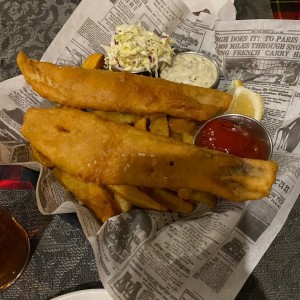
121 91
86 146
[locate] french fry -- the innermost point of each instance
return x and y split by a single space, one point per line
176 136
96 197
136 197
117 117
159 126
171 201
203 197
184 193
94 61
141 124
181 125
197 197
121 203
188 137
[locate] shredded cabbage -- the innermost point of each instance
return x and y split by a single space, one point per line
135 49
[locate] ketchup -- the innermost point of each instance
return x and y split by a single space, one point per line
233 138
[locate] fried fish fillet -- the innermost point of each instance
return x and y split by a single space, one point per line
86 146
121 91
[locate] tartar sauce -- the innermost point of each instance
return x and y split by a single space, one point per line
191 68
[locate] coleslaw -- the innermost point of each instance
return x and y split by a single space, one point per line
135 49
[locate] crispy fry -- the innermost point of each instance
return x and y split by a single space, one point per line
135 196
141 124
104 152
94 61
121 91
176 136
182 125
171 201
197 196
96 197
203 197
122 204
159 126
188 138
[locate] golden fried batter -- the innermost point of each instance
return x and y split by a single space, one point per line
84 145
121 91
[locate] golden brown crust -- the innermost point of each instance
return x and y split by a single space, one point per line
84 145
121 91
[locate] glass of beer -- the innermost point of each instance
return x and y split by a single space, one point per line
14 249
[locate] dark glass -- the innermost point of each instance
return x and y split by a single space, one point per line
14 249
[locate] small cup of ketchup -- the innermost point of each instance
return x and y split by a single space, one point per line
235 134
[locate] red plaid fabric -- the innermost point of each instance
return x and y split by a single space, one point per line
17 178
286 9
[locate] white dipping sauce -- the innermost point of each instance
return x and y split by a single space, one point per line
191 68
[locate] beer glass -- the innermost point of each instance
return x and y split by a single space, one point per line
14 249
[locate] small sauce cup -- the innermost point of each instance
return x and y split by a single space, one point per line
192 68
236 134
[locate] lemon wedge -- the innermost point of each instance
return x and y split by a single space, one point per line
246 102
233 85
